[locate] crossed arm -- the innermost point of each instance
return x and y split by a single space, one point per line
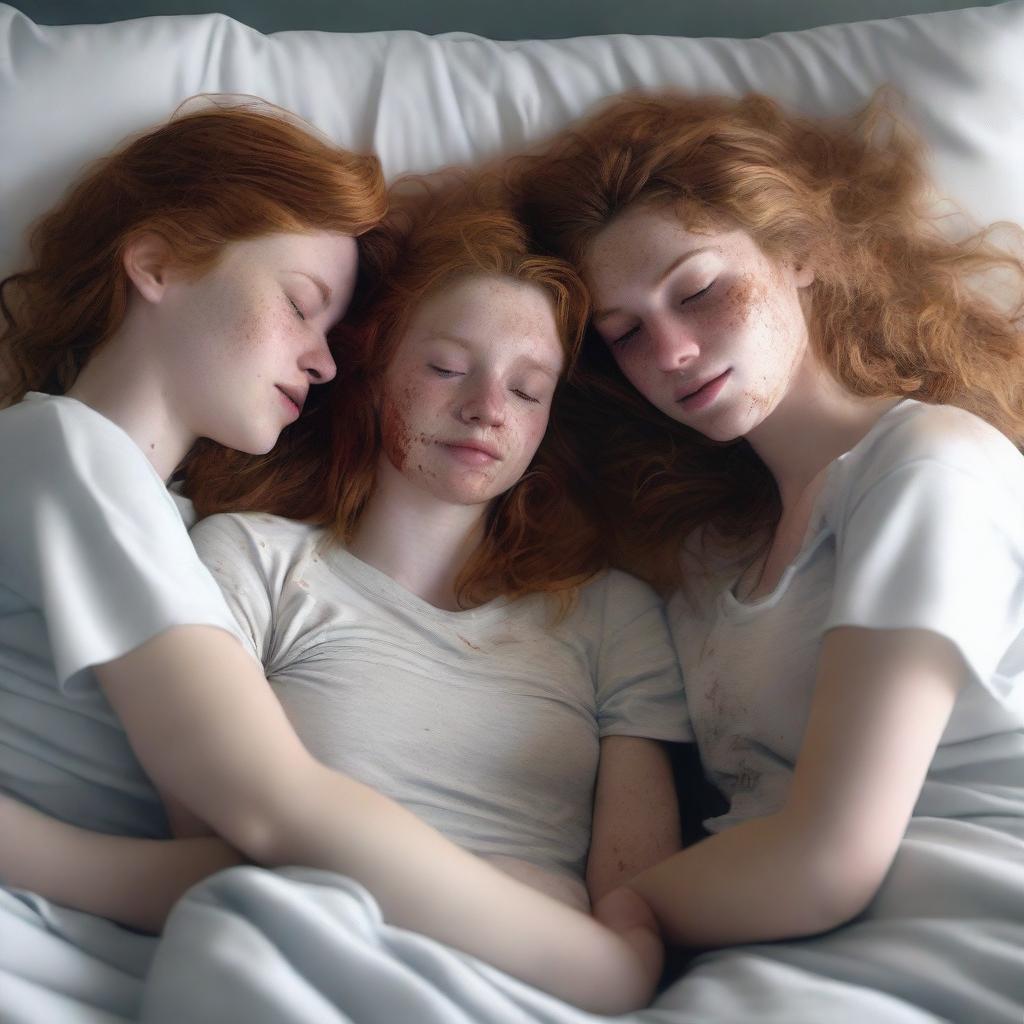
881 702
209 731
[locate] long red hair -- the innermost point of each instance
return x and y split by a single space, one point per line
539 536
896 308
202 180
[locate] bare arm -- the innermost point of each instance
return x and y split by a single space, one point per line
882 700
210 732
132 881
636 814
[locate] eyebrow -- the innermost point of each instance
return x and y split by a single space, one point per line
529 361
601 314
321 284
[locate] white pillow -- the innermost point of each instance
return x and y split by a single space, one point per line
70 93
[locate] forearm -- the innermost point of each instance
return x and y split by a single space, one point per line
763 880
427 884
135 882
210 732
636 813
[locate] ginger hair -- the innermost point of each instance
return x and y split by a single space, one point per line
896 307
539 536
204 179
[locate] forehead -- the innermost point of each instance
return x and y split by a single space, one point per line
643 239
489 312
322 250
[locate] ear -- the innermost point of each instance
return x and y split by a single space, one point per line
803 274
147 259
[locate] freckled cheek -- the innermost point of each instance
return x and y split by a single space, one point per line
779 337
739 305
396 435
254 326
526 436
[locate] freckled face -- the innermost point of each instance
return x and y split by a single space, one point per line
247 339
468 393
704 325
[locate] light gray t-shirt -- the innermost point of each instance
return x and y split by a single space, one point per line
94 561
920 525
486 723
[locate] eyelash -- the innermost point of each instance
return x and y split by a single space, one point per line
448 374
624 339
298 312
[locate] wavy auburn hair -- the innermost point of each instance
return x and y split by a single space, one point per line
202 180
539 535
896 308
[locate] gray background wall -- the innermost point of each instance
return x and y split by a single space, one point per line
504 19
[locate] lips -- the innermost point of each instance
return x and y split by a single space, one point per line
691 388
297 396
694 391
474 446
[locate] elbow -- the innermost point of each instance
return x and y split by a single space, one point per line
257 832
259 817
281 819
839 888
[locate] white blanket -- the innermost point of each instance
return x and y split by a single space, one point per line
942 941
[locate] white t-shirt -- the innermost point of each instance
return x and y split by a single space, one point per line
920 525
94 561
486 723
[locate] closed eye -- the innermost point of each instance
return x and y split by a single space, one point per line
524 395
442 372
624 339
697 295
298 312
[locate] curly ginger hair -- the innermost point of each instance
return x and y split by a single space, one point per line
896 308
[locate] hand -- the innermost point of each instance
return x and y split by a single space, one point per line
19 825
625 912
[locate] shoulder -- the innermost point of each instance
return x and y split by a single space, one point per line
45 415
940 440
255 531
615 598
253 537
78 465
47 432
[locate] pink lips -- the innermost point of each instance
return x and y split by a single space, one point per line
705 394
471 453
293 401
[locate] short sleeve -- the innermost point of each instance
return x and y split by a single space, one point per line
934 546
231 548
92 539
639 684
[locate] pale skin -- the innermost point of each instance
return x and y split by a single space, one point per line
211 734
713 333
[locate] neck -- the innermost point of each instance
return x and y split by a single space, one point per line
122 382
421 542
815 423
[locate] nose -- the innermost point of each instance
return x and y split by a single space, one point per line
483 403
672 345
318 363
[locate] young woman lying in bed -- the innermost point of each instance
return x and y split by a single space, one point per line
430 636
804 403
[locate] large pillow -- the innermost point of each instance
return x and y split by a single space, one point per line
70 93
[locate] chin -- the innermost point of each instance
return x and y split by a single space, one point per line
463 493
467 496
256 445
